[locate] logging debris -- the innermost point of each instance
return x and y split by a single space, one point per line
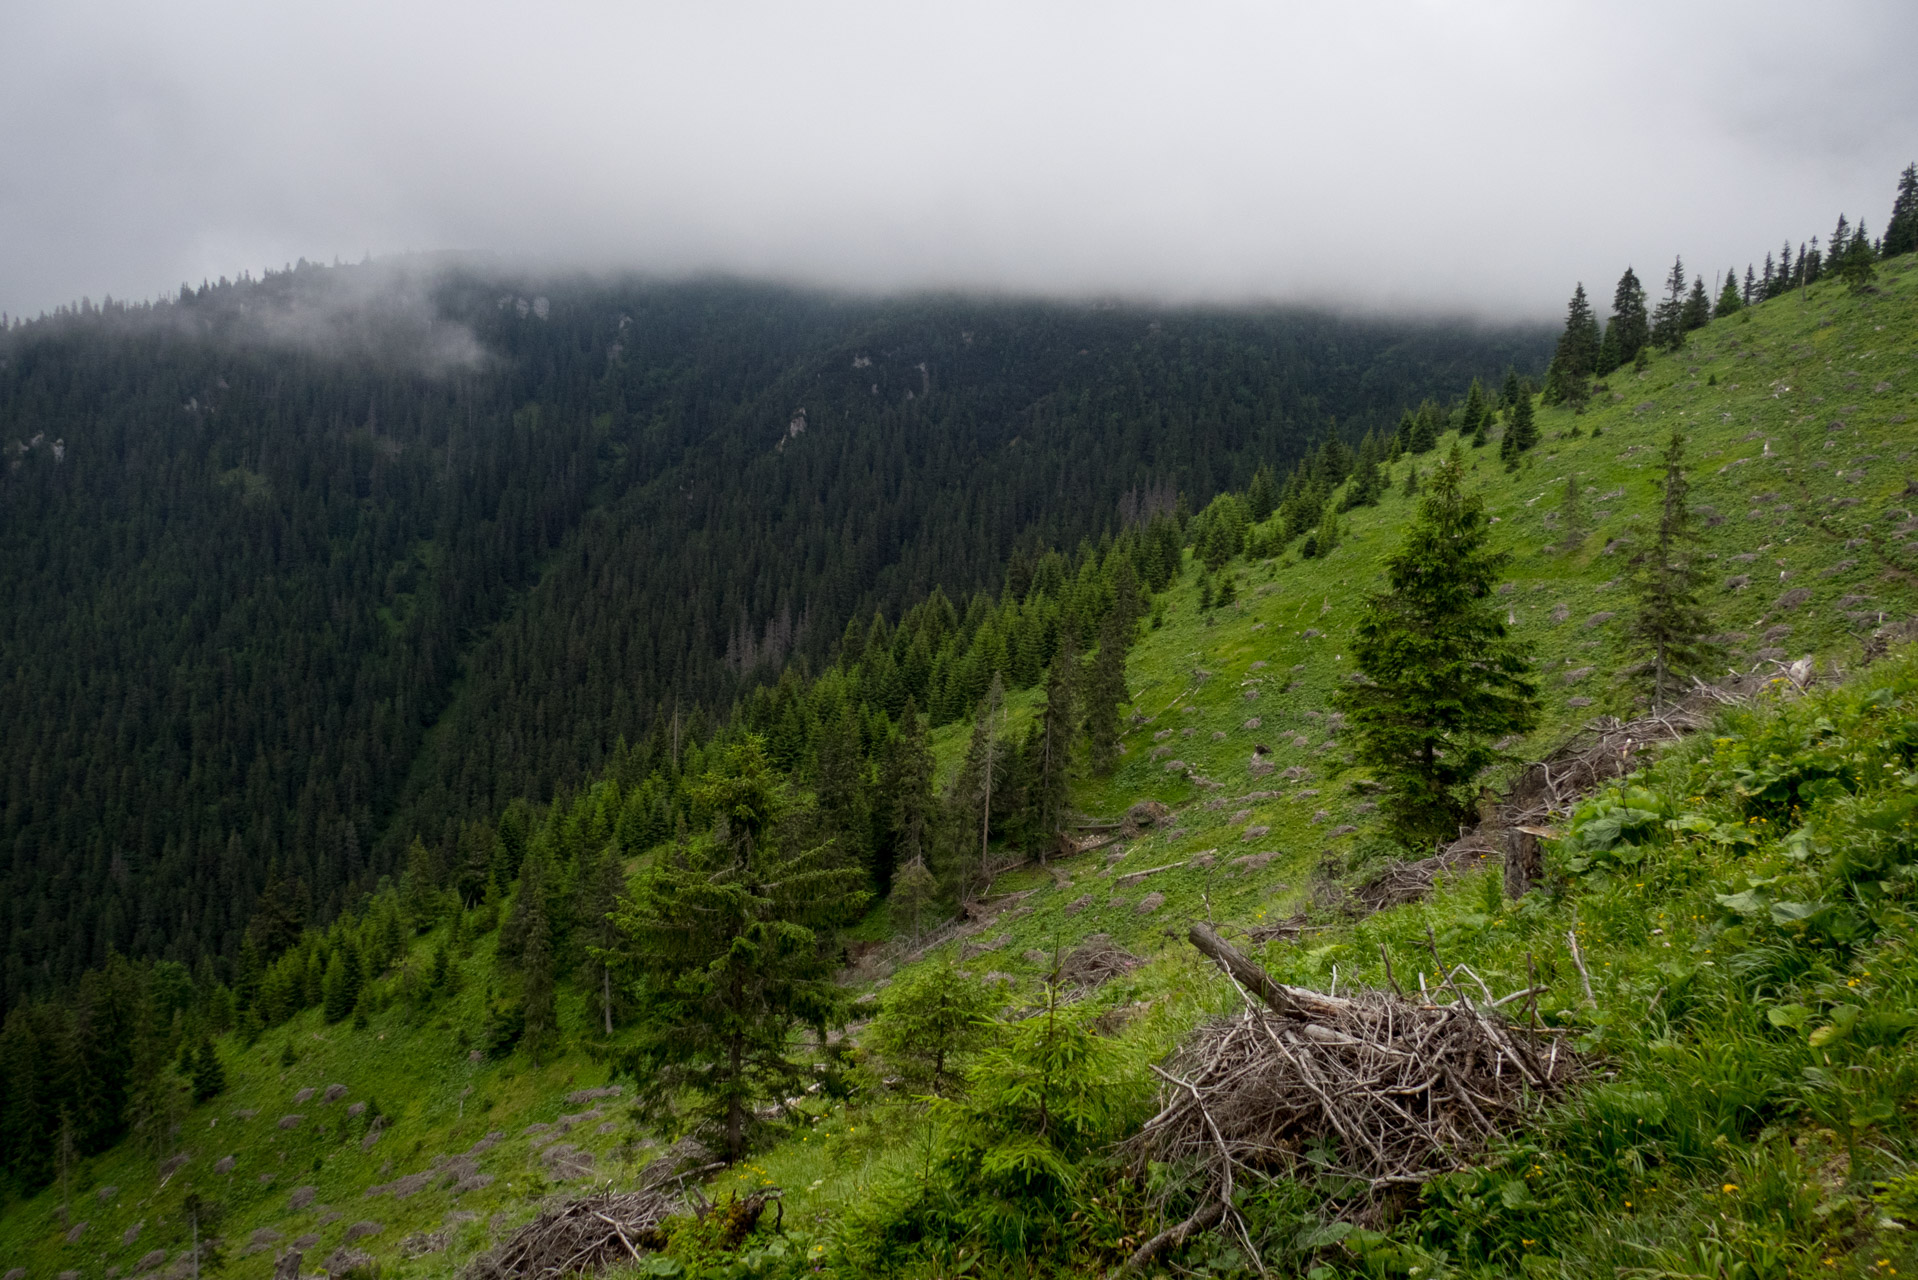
1372 1086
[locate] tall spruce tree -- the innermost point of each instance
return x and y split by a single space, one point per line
908 784
1105 692
1568 379
968 808
601 884
1857 266
1668 320
536 981
1901 232
1698 307
1263 494
733 937
1728 298
1628 318
1669 629
1049 748
1442 678
1521 431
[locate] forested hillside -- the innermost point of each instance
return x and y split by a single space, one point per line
680 971
297 568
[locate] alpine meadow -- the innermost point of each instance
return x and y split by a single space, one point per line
938 785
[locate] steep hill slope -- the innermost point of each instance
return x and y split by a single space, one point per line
1747 1113
258 541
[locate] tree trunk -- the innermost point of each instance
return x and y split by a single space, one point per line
1523 864
735 1111
606 996
1282 1000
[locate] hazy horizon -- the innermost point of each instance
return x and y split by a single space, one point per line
1433 158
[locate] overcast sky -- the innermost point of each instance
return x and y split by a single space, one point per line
1449 155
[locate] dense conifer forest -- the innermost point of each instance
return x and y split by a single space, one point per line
300 567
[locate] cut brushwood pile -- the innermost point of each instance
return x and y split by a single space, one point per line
1547 790
1376 1087
580 1236
1095 962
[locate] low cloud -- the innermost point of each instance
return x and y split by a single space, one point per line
382 312
1424 156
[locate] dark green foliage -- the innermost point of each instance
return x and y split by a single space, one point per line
1262 496
1521 431
1568 378
1669 629
732 936
539 1017
247 587
1857 266
1041 1099
930 1018
1629 330
1697 312
1729 300
1049 746
1901 230
340 989
1442 678
1668 320
207 1075
906 788
1105 691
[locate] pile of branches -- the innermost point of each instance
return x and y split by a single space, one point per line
581 1235
1095 962
1375 1087
1605 749
1547 790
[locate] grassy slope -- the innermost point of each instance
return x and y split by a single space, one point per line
1805 503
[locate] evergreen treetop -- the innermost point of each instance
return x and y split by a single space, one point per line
1670 628
1901 230
1443 680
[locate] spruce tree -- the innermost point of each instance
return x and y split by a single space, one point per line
1668 321
1840 243
536 981
209 1077
1263 495
930 1017
845 800
1901 232
1608 355
1856 266
968 808
1728 299
1521 431
1628 317
1669 628
1049 748
1105 692
1442 679
601 884
1698 307
914 889
908 782
1575 360
733 938
1751 285
1475 411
